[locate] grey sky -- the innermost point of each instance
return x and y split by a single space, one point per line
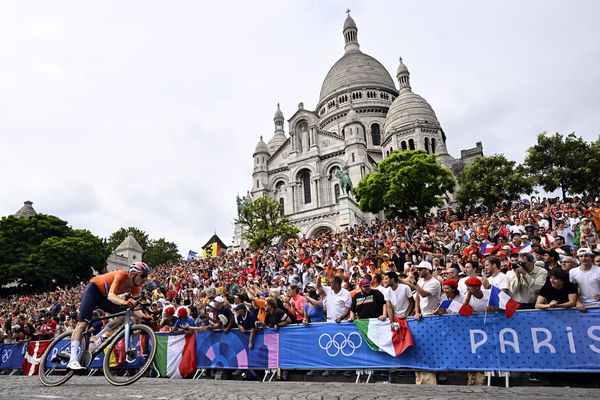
146 113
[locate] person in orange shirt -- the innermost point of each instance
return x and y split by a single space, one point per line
103 292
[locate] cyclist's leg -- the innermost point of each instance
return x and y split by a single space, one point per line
89 299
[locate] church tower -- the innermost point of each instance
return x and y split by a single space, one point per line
261 171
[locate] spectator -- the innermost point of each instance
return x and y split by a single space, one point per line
558 292
525 281
449 292
368 303
493 275
472 270
398 296
587 278
337 300
428 291
313 308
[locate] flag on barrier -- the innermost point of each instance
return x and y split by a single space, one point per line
33 356
457 307
503 301
392 338
176 355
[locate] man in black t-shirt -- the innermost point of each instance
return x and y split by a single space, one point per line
275 317
559 292
369 303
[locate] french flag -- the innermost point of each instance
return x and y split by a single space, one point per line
457 307
526 248
486 249
501 300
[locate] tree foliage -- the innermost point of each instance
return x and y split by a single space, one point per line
263 222
559 162
407 183
492 180
42 251
161 252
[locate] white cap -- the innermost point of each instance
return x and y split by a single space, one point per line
583 251
425 264
219 299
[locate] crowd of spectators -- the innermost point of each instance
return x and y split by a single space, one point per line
544 254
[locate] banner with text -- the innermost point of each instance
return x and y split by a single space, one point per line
561 340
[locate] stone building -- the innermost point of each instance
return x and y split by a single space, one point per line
26 211
361 116
128 252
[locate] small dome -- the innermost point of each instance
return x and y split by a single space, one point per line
402 69
349 22
261 147
278 114
276 141
407 108
355 70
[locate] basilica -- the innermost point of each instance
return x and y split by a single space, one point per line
360 118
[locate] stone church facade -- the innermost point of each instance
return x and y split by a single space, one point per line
360 118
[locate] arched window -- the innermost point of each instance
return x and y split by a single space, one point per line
427 145
305 179
375 134
403 144
282 205
279 187
411 144
336 191
433 145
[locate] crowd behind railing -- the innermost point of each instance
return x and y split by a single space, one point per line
544 254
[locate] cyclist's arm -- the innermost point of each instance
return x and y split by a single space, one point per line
115 288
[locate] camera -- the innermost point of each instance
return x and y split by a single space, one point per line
516 265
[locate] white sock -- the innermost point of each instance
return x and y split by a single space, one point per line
74 350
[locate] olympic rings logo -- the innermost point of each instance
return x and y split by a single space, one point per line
339 343
6 354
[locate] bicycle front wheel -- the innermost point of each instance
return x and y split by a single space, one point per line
124 367
53 365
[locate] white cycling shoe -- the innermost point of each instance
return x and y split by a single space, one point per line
74 365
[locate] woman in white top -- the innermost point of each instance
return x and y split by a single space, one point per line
449 292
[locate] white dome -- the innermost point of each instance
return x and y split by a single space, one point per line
407 108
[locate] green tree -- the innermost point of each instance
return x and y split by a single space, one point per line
588 179
491 180
42 251
117 237
263 222
558 161
161 252
407 183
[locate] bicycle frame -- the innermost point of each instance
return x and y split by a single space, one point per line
126 325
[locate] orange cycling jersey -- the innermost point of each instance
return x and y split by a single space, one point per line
116 282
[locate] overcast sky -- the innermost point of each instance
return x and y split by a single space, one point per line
146 113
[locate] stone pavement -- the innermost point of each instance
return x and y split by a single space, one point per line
91 388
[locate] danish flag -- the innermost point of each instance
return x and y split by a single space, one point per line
33 356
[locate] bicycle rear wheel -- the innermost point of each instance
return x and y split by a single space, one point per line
53 365
124 368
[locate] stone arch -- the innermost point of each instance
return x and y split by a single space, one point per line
320 228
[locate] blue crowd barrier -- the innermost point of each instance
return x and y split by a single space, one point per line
560 341
546 341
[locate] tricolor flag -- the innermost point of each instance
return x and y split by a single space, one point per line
486 249
211 250
175 355
526 248
457 307
501 300
33 356
391 338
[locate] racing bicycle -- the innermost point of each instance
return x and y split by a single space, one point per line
125 356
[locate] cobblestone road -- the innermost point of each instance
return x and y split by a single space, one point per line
91 388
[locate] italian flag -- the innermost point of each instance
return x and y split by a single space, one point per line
392 338
175 355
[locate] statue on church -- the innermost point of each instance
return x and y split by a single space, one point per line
241 203
304 140
344 177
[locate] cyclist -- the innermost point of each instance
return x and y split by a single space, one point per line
103 292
